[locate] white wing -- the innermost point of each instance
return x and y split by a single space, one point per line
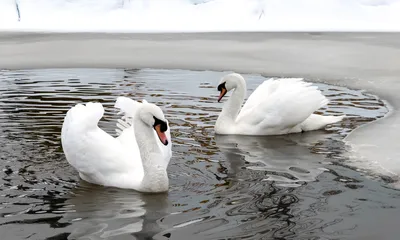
281 104
94 153
261 92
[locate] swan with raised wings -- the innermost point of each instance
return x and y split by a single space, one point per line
276 107
136 159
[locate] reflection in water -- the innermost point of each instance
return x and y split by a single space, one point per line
286 187
284 159
107 212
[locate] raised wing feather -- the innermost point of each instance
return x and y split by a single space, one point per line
83 116
128 108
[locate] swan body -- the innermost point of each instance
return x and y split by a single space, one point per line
136 159
276 107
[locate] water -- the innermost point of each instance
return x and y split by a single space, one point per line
199 15
284 187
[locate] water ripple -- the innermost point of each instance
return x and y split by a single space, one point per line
221 187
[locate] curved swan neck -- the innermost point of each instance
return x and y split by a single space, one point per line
145 139
233 105
155 177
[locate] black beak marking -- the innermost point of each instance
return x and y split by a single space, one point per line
221 86
163 125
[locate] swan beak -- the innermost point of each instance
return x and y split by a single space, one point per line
222 94
161 135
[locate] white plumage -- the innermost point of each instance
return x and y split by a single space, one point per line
136 159
276 107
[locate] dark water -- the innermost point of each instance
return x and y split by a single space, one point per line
285 187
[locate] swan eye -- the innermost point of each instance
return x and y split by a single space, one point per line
163 125
221 86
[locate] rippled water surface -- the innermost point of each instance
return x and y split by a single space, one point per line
284 187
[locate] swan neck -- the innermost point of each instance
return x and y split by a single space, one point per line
233 105
155 177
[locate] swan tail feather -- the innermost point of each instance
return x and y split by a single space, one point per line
334 119
315 121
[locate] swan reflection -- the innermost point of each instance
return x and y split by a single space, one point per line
100 212
286 159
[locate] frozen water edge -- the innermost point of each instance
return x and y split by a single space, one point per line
357 60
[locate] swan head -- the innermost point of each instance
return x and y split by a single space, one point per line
227 83
153 116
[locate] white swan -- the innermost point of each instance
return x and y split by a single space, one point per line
136 159
276 107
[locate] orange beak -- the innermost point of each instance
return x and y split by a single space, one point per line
222 94
161 135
